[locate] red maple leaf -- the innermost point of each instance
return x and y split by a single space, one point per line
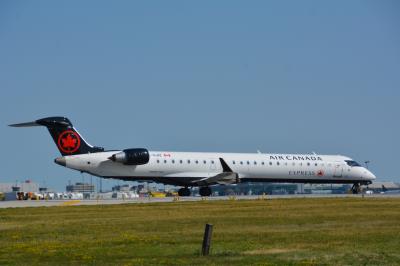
68 142
320 173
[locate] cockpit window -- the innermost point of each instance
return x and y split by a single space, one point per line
352 163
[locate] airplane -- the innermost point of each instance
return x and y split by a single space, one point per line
198 169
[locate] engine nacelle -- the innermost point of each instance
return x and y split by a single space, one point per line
136 156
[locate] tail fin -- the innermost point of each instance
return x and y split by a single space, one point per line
67 139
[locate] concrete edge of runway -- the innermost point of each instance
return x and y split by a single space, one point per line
52 203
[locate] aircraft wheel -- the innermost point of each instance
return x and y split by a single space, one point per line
205 191
184 192
355 188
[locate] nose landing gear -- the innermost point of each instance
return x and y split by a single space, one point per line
356 188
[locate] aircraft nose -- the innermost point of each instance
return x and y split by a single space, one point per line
373 176
61 161
370 175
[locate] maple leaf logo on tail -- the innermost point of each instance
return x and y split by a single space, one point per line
69 142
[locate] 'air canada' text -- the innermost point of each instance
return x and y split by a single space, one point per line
295 158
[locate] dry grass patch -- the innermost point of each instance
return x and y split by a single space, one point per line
269 251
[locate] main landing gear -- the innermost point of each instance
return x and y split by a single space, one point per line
205 191
356 188
184 192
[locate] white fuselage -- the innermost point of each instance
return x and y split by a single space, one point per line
181 168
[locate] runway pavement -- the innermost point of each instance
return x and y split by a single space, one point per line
51 203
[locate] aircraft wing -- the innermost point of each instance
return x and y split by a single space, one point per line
224 178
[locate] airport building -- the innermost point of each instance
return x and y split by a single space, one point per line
323 188
122 188
378 187
26 186
257 188
80 188
260 188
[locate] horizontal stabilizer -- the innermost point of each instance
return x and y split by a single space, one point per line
27 124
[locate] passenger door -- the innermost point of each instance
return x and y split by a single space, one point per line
338 169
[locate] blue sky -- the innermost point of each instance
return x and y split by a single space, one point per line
229 76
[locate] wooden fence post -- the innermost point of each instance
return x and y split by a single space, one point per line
207 240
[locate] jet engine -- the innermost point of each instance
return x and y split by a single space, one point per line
136 156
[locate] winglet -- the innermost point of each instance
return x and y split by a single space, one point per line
225 166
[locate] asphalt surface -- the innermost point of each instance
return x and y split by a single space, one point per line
50 203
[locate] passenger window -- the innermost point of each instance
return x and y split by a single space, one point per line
248 162
255 163
270 163
241 162
277 163
180 161
308 164
165 161
204 162
233 162
197 161
262 163
188 161
212 162
158 161
173 161
316 164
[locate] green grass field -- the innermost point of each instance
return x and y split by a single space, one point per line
259 232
